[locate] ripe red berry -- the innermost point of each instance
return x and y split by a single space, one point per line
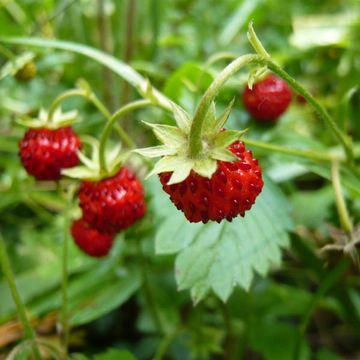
44 152
230 191
91 241
268 99
114 203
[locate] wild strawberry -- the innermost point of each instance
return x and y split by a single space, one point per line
268 99
230 191
45 152
91 241
114 203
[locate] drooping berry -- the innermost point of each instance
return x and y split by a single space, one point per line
45 152
230 191
268 99
91 241
27 72
114 203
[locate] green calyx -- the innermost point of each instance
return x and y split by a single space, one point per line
175 148
43 120
90 168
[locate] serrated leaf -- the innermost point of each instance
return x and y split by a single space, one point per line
217 257
226 138
205 167
181 172
223 154
155 151
182 119
169 135
223 117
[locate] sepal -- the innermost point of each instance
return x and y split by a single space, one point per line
91 169
225 138
182 119
171 136
155 151
58 120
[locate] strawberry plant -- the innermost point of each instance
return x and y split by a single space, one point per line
175 202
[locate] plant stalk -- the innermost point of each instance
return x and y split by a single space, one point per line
109 125
308 154
28 331
196 147
345 220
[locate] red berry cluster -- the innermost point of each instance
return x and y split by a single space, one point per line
231 190
108 206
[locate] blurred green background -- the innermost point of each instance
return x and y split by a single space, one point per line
129 301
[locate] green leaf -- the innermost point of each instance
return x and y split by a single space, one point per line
239 18
218 257
169 135
108 297
117 66
155 151
182 119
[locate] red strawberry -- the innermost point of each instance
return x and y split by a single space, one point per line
230 191
114 203
44 152
268 99
91 241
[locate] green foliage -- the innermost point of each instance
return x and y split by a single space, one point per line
219 257
261 286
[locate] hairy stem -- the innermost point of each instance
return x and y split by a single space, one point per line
195 147
96 102
28 331
308 154
110 124
339 199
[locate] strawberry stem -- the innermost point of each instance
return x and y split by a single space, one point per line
28 331
345 220
111 123
195 137
308 154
